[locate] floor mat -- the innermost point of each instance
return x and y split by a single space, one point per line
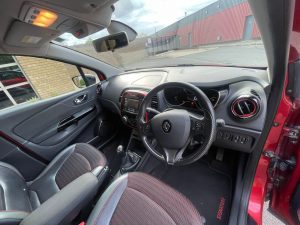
208 189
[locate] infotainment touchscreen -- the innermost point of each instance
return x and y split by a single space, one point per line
131 105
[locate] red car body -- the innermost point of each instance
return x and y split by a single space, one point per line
288 115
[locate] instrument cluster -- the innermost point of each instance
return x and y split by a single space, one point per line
185 98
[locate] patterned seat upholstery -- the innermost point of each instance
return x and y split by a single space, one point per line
137 198
76 164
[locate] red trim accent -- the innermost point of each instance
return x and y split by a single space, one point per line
221 208
101 76
24 148
146 117
134 94
245 116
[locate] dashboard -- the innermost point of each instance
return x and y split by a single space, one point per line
239 97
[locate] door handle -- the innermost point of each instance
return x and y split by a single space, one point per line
75 118
80 99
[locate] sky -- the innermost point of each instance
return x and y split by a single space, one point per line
148 16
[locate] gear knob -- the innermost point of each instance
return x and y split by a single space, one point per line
120 149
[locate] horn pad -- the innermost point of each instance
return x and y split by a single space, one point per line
172 128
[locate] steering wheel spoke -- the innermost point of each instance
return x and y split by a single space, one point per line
197 124
146 128
151 110
173 155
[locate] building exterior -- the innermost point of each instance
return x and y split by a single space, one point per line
28 79
221 21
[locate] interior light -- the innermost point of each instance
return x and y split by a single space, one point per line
41 17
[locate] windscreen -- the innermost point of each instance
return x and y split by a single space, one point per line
176 33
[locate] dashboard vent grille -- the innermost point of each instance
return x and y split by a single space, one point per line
245 107
154 102
254 93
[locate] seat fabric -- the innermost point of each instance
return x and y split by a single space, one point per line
71 163
21 198
137 198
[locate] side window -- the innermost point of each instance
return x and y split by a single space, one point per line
26 79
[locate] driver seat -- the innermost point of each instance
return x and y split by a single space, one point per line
137 198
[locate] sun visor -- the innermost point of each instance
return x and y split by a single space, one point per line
23 34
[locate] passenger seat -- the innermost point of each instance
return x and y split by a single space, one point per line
58 194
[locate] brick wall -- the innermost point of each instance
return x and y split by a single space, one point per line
49 78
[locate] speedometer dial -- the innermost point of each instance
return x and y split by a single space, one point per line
175 96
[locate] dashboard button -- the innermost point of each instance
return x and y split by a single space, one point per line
244 140
227 136
236 138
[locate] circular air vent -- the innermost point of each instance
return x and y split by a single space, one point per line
245 107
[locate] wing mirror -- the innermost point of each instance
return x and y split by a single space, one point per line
80 83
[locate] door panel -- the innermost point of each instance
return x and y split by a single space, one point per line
33 134
48 120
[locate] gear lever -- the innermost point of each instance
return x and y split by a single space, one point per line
120 150
129 159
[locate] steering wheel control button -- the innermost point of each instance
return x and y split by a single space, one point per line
166 126
198 125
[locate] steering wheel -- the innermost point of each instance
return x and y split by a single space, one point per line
168 134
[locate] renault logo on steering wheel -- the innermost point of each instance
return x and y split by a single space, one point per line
166 126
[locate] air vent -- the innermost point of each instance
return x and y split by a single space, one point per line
245 107
154 102
254 93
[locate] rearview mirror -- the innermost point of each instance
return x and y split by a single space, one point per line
117 27
111 42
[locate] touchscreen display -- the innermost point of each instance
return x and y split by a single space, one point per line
131 104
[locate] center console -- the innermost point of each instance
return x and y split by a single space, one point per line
131 100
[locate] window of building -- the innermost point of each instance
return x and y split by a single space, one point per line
25 79
14 86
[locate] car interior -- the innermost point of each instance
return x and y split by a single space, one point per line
161 145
